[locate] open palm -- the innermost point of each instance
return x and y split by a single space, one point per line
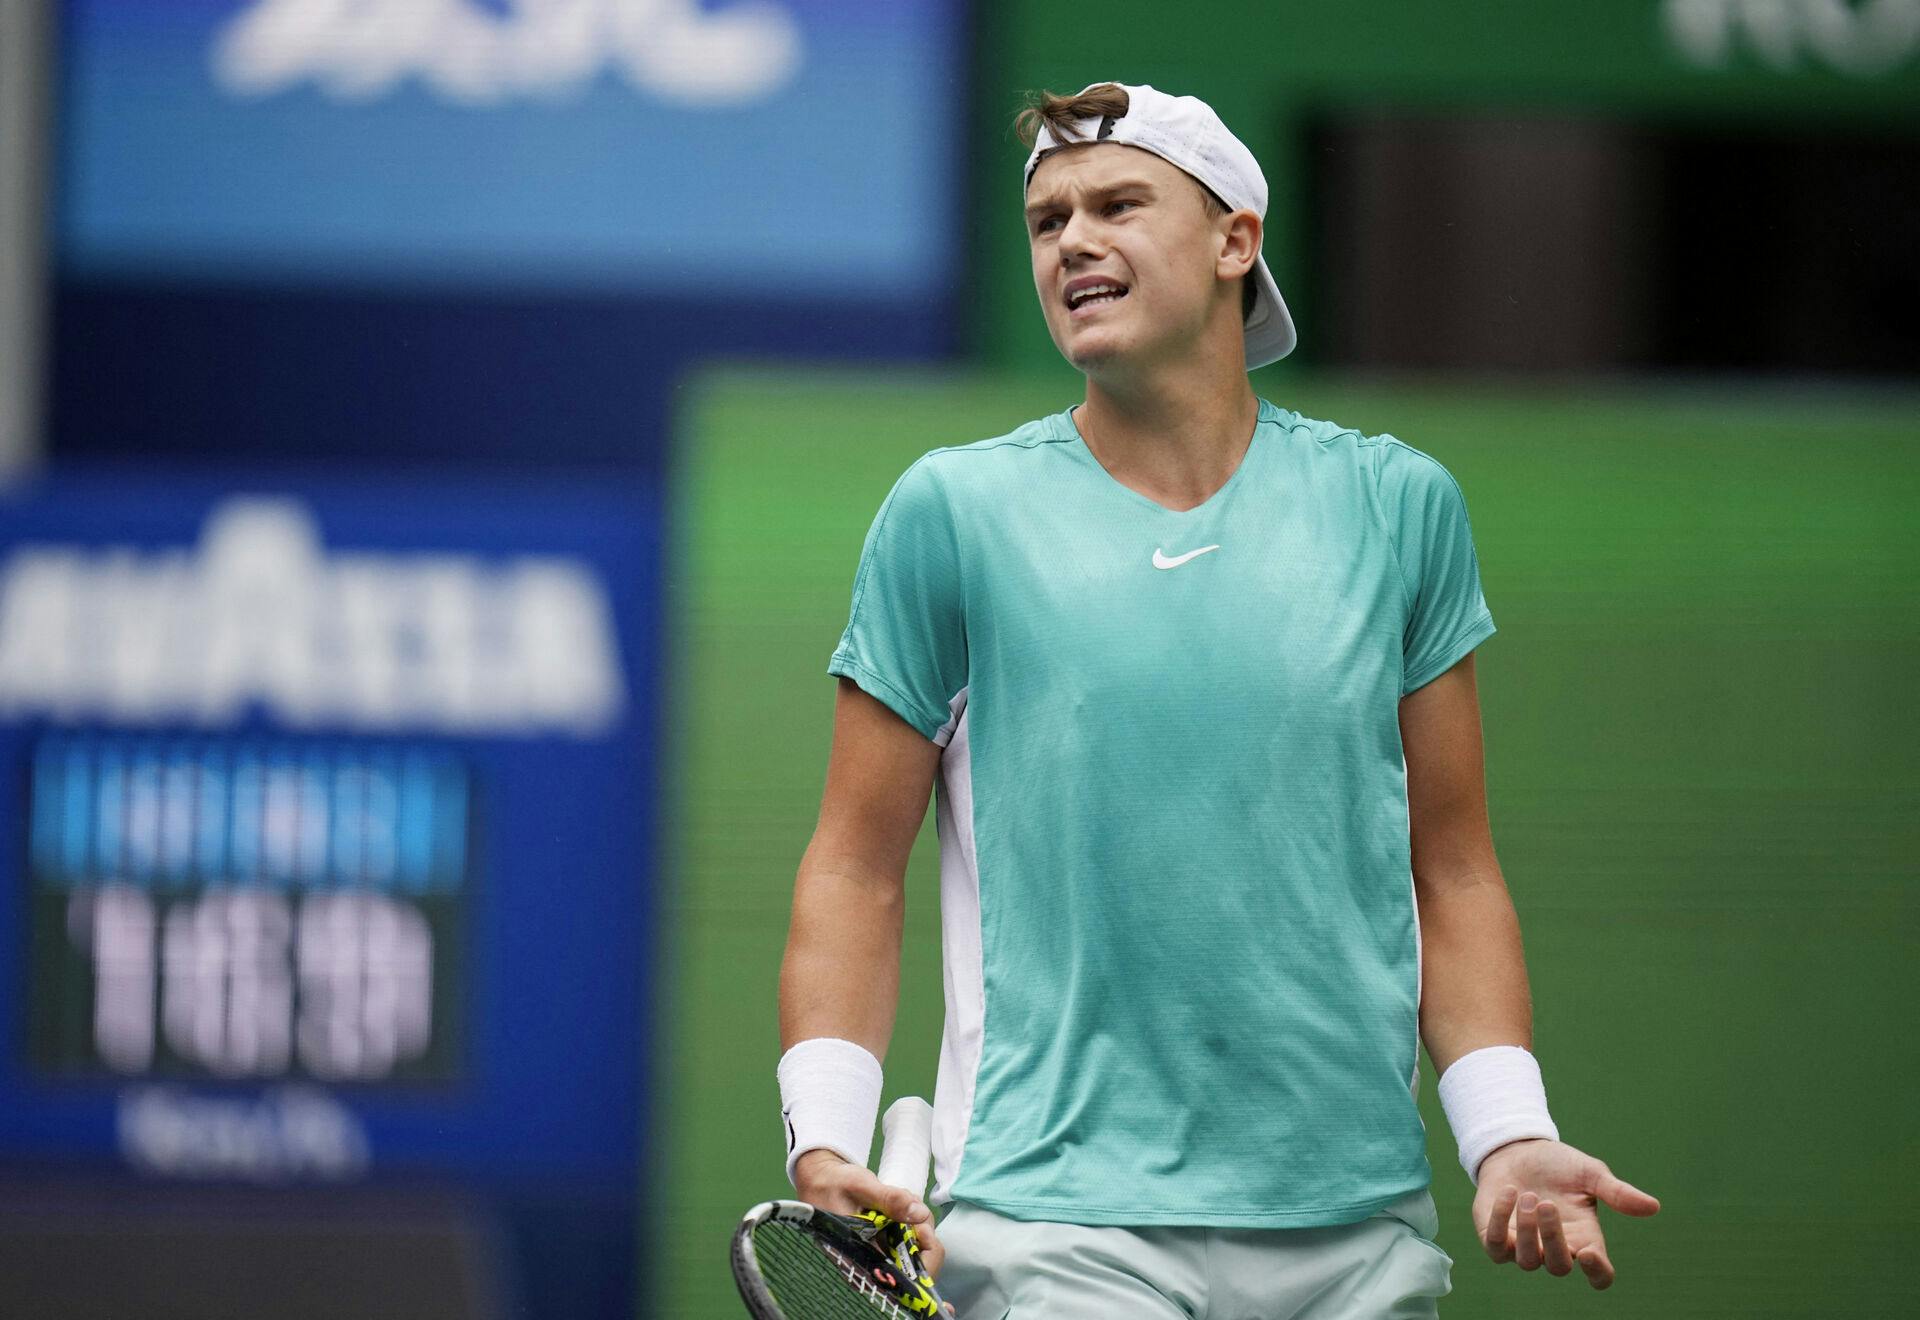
1538 1205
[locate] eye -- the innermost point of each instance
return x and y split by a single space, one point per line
1041 227
1118 202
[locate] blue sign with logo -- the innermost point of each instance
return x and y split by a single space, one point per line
326 876
776 149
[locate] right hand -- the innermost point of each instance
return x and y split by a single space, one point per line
824 1179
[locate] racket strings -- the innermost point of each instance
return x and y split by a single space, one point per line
807 1278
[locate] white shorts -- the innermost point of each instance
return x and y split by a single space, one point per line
1383 1268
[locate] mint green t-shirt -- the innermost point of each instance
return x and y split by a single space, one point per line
1181 950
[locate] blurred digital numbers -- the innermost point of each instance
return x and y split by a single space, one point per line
338 986
241 911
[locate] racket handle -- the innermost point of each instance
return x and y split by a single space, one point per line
906 1148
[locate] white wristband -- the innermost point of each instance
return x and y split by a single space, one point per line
1493 1096
829 1097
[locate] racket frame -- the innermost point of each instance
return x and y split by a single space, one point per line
854 1237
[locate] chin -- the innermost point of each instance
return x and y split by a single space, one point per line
1093 351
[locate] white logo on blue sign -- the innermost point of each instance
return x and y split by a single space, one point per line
479 54
262 613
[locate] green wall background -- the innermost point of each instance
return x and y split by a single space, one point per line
1269 66
1700 730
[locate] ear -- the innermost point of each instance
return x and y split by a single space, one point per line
1239 245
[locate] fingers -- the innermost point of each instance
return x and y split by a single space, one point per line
847 1188
893 1202
1553 1241
932 1254
1494 1234
901 1204
1532 1231
1624 1196
1539 1236
1526 1232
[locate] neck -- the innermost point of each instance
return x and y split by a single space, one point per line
1173 436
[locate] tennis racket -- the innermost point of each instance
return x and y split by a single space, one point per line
794 1261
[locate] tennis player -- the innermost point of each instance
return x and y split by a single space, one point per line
1190 677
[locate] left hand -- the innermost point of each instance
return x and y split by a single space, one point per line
1536 1205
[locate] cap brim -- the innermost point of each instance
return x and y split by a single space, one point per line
1269 330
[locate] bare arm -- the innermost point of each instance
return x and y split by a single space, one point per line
841 973
1473 974
1537 1199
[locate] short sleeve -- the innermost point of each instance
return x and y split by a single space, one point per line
1447 614
905 641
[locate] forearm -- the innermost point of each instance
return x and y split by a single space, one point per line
841 973
1473 974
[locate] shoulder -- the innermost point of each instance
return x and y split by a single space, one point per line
1396 469
1407 469
1024 441
955 473
1326 434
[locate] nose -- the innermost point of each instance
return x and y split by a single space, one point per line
1079 236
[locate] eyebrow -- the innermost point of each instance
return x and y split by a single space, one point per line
1125 185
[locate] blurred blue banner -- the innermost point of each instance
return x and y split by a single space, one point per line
768 148
330 868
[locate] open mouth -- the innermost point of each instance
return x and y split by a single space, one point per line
1095 295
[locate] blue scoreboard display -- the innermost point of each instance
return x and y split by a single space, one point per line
325 899
219 908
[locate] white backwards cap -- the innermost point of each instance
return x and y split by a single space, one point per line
1185 131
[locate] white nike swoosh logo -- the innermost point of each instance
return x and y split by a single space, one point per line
1161 561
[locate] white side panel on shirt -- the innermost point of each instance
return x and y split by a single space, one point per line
960 955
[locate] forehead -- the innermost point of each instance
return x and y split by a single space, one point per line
1090 165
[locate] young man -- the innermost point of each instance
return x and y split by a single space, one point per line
1194 675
